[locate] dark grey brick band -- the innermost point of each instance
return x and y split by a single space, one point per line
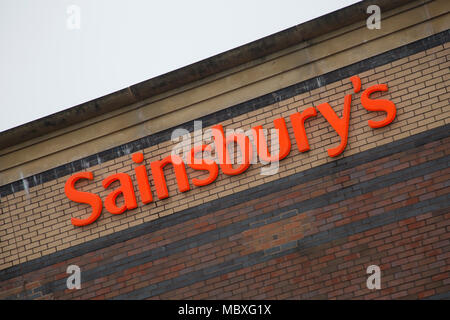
233 111
258 257
260 191
289 248
442 296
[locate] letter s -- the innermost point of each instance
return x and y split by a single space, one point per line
378 105
83 197
205 164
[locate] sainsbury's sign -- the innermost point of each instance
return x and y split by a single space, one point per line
221 142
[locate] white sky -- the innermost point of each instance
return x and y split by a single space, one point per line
46 67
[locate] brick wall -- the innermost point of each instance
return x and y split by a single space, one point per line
384 201
314 239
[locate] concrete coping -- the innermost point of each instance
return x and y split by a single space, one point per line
194 72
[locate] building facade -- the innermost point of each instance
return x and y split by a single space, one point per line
362 180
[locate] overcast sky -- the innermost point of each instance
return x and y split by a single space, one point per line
50 60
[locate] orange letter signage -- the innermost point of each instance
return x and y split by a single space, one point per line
221 143
160 181
83 197
126 188
222 149
298 122
210 166
338 124
378 105
283 138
